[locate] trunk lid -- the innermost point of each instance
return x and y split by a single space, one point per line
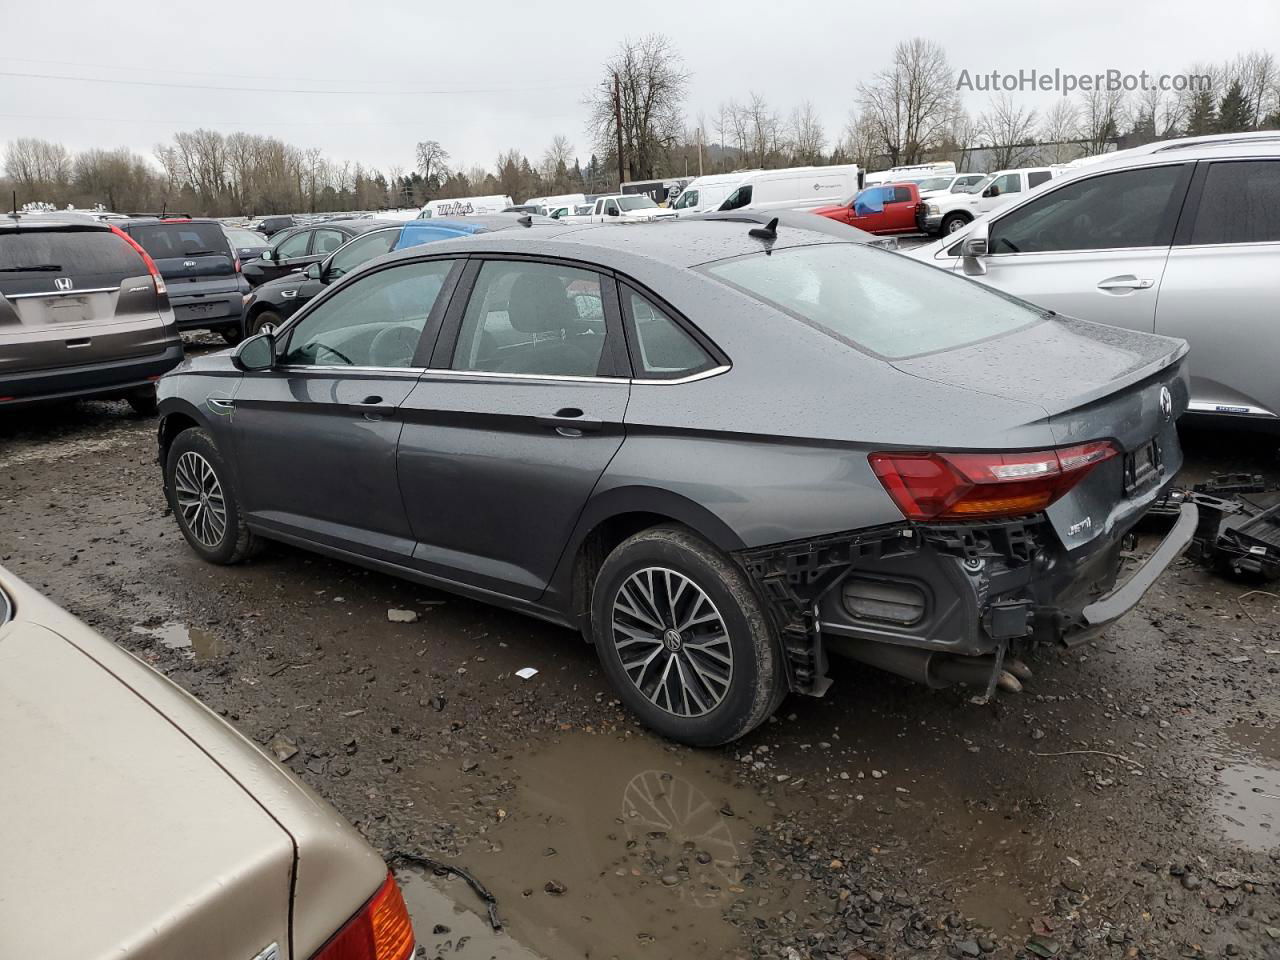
71 296
128 839
187 250
1095 383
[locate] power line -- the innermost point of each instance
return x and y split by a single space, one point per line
189 73
361 93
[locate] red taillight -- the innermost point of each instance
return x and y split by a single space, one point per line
380 931
236 260
970 486
156 279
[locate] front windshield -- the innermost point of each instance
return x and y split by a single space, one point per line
641 202
935 183
979 186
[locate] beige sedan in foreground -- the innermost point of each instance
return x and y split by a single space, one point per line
134 823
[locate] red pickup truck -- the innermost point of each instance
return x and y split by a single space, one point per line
885 208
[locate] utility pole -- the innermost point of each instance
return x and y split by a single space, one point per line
699 151
617 126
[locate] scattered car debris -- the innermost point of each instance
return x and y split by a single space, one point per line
441 869
402 616
525 673
1239 530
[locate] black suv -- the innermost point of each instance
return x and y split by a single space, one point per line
303 246
83 313
201 269
270 226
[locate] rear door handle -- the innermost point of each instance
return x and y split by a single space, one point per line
570 422
1127 282
373 408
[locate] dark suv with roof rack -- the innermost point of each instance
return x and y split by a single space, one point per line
206 285
83 313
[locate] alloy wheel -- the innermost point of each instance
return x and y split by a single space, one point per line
672 641
200 499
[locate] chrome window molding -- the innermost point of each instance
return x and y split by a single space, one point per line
341 368
441 373
6 608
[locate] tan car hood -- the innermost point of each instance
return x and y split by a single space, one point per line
121 838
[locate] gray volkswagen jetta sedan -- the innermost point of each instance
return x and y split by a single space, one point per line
719 449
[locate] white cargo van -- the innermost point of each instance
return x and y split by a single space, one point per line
794 188
912 171
707 193
464 206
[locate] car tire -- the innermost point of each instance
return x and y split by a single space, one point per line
143 401
195 466
953 222
704 694
231 335
259 320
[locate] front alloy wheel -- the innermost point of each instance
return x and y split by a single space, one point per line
203 500
672 642
200 499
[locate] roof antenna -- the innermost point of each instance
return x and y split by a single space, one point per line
768 232
525 220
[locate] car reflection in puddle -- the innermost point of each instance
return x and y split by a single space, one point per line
203 644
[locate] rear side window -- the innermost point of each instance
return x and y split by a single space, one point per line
1037 177
1129 208
664 351
31 253
1240 203
901 195
362 249
327 241
166 241
1009 183
294 245
873 299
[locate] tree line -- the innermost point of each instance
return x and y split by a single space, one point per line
908 112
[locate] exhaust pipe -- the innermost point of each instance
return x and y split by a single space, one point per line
935 670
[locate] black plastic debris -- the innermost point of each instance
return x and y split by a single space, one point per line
1239 530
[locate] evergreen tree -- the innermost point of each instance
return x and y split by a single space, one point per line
1234 114
1203 118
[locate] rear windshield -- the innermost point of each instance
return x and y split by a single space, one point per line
246 238
24 253
165 241
875 300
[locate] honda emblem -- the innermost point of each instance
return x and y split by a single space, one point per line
62 283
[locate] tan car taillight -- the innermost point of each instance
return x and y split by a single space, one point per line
380 931
156 279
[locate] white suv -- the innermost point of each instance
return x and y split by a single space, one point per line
1180 238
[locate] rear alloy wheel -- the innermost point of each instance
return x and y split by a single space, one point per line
953 222
260 320
684 639
203 502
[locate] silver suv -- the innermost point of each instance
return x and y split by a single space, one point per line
1180 238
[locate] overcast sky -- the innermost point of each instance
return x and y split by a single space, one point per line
375 77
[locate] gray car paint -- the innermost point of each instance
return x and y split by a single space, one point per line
771 448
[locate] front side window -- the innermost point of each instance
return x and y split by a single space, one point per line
327 241
294 245
360 250
611 209
687 199
875 300
739 198
665 350
376 321
532 318
1009 183
870 200
1240 203
1129 208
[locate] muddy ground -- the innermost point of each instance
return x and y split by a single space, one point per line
1126 805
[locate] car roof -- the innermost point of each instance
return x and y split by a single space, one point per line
678 242
51 221
139 221
1256 143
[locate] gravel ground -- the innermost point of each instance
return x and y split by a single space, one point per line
1126 805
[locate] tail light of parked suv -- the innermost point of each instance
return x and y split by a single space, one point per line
146 258
971 486
380 931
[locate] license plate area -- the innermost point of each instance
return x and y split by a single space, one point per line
1142 467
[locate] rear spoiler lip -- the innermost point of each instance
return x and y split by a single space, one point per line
1135 376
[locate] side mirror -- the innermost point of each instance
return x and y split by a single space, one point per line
973 248
256 353
991 191
268 254
313 272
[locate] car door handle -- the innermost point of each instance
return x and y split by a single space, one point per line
570 422
373 408
1127 282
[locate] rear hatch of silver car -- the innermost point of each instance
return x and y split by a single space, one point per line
73 295
196 260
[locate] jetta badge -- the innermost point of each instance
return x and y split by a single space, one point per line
62 283
1166 402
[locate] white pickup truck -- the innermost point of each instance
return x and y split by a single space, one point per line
623 208
943 213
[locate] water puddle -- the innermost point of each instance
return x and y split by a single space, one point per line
445 926
612 844
1247 800
178 636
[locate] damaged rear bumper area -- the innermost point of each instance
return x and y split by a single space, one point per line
947 604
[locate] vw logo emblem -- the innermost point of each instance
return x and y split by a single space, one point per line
1166 402
671 640
62 283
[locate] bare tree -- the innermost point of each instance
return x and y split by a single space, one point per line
555 163
1009 130
861 139
39 168
432 160
1101 114
1258 76
808 140
1060 126
763 130
641 96
913 102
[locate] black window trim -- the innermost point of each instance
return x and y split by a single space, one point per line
1191 203
1171 214
719 361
